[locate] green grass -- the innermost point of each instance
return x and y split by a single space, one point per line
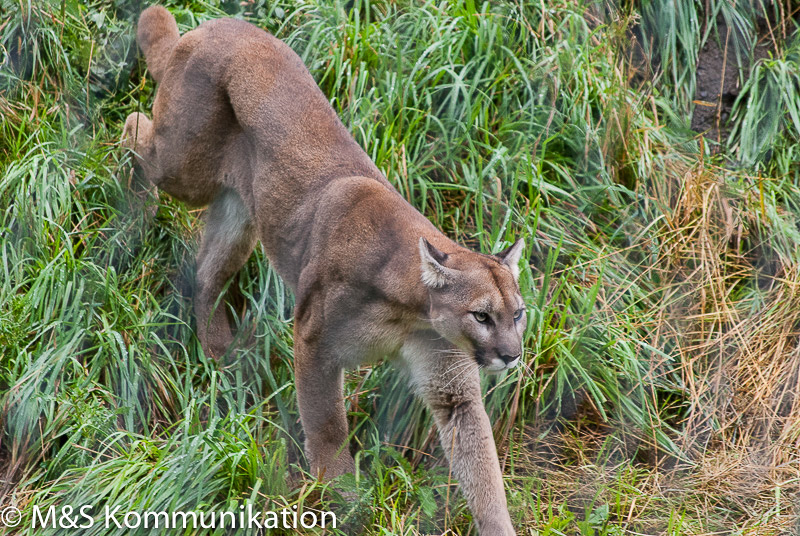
659 390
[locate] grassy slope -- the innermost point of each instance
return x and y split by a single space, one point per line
659 393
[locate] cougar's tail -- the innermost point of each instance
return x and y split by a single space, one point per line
157 35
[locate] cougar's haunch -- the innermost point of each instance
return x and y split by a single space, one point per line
240 125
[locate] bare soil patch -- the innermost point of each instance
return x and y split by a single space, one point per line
717 87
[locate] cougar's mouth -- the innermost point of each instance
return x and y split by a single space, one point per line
493 365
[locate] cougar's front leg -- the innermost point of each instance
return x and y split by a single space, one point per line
228 240
450 385
319 381
466 437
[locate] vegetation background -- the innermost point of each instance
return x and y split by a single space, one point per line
647 149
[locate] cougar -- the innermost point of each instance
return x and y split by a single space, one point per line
240 125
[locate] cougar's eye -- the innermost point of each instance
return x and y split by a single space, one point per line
518 315
483 318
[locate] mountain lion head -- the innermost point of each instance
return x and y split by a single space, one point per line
476 303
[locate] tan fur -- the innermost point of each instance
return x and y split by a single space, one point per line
239 124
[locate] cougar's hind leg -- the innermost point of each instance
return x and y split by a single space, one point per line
137 135
228 240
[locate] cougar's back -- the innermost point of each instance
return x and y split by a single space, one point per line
229 81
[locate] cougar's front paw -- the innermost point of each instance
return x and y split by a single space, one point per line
328 467
217 345
500 527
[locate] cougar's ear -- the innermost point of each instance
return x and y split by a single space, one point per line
434 273
510 256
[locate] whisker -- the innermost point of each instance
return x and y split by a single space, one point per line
455 366
464 368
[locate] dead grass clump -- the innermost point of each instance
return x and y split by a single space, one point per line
737 333
729 314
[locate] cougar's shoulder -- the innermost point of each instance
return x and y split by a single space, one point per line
366 232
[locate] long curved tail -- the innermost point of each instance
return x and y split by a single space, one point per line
157 35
